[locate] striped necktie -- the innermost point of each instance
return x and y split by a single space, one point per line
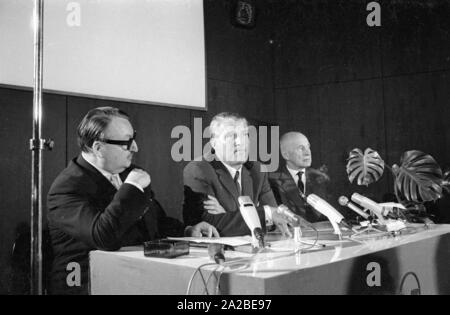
300 184
236 182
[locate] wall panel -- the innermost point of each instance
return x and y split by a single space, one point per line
15 163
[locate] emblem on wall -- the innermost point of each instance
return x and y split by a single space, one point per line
244 14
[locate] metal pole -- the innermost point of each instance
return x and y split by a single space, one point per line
37 145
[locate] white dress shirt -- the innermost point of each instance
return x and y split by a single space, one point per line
233 171
267 210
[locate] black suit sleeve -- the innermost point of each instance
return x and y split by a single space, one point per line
166 226
197 186
276 192
75 211
229 223
266 196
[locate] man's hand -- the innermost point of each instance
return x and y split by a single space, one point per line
282 222
201 229
213 206
140 177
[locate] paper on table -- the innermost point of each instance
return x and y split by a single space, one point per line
231 241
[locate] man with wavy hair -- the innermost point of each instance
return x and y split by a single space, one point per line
213 185
103 201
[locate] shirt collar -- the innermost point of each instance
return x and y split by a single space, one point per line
295 172
102 171
232 170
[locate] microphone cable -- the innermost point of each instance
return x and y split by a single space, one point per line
314 244
224 264
230 264
198 270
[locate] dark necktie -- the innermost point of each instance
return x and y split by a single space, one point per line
300 185
236 182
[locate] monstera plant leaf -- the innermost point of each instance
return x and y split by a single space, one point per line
368 167
446 181
418 178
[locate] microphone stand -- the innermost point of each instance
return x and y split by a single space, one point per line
367 229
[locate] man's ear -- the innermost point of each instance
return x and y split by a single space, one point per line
97 149
285 154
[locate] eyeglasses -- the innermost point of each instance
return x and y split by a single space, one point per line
127 143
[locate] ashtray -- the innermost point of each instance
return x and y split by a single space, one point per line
166 248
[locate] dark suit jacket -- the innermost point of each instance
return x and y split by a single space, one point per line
286 192
202 178
86 212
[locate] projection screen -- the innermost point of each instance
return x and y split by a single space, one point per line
141 51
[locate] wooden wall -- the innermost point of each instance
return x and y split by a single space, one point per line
327 74
347 85
239 78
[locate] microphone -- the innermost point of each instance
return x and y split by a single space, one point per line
343 201
371 205
393 210
251 218
284 210
216 253
327 210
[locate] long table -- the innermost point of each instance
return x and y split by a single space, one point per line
414 263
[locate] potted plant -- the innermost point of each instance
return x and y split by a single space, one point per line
418 178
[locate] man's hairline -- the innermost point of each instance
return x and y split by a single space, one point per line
225 121
283 141
111 120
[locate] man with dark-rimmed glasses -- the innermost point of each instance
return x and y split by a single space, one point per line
103 201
